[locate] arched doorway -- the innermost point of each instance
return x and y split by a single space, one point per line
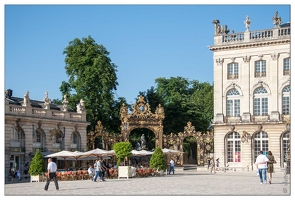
135 138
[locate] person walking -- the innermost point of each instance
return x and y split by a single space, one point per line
96 167
217 164
270 168
212 164
171 166
51 174
101 169
261 166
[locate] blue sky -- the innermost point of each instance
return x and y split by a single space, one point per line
145 41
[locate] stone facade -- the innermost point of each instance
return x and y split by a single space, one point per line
251 93
32 125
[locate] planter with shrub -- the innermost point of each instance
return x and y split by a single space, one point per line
37 167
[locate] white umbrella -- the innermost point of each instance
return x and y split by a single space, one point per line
141 153
97 153
62 154
165 151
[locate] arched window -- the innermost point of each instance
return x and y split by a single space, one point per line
260 143
233 103
38 136
232 71
286 100
260 68
260 103
233 141
75 138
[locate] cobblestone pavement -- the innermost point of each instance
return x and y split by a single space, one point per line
182 183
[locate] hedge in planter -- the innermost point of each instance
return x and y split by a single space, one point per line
122 150
37 166
158 160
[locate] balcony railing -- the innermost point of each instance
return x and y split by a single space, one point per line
40 113
232 76
254 36
264 118
233 119
260 74
17 143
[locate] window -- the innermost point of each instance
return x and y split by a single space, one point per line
75 138
232 71
286 66
260 102
260 68
233 147
260 143
286 100
233 103
38 136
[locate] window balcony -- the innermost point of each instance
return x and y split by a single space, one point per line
260 74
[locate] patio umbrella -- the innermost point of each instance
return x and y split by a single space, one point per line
62 154
97 153
141 153
165 151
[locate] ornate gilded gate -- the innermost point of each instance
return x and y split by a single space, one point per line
142 117
204 143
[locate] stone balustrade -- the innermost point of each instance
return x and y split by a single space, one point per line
43 113
253 36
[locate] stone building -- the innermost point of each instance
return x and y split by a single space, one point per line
32 125
251 93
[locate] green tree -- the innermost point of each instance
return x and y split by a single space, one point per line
92 77
122 151
185 101
157 160
37 166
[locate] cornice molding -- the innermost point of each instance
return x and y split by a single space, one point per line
248 45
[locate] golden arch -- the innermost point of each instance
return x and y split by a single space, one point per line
204 142
142 117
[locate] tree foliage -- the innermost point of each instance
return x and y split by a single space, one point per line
158 159
92 77
185 101
37 166
122 151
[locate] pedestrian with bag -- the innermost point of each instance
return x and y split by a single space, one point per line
270 167
51 174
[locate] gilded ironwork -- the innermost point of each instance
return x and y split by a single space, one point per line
107 138
142 117
204 142
56 134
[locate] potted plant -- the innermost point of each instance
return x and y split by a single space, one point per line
157 161
37 167
123 151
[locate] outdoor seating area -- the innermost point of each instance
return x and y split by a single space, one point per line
113 174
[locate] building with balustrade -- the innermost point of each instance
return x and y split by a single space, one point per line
32 125
252 94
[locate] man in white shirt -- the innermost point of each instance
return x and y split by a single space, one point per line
261 166
51 174
171 166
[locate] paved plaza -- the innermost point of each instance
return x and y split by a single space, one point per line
182 183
